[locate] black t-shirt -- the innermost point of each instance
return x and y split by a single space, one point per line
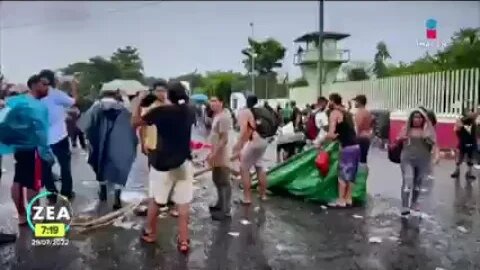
174 128
467 134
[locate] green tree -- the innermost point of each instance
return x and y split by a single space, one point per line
222 84
129 62
462 52
357 74
268 55
467 36
93 74
382 54
357 70
195 79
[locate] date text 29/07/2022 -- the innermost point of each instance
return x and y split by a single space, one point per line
50 242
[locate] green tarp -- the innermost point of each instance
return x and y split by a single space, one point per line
300 177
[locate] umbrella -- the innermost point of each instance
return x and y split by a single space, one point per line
199 98
127 87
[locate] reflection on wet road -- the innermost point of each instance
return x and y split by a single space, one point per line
282 233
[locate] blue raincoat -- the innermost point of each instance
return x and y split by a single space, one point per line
112 140
24 125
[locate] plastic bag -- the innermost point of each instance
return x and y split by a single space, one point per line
323 162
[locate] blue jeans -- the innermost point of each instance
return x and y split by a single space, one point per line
414 171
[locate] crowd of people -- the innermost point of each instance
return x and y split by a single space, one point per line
158 124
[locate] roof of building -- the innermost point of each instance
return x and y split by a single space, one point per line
326 35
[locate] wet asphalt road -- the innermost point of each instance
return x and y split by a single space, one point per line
281 233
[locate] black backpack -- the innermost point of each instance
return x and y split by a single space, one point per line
266 122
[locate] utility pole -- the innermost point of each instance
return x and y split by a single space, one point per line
320 46
252 55
191 81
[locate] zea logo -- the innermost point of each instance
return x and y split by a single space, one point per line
52 221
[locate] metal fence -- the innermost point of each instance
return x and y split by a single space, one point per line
446 92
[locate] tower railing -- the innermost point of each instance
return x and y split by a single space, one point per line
311 56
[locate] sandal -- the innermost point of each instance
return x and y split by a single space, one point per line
337 205
147 237
183 246
243 202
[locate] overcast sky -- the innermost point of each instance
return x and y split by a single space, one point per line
178 37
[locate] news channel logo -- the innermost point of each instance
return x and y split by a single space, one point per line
50 221
431 40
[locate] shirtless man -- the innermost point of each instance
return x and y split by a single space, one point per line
250 149
363 125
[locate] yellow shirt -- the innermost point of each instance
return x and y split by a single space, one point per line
150 136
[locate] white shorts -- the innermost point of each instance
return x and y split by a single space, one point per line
252 154
179 181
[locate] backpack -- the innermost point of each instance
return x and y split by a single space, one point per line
266 122
394 151
311 127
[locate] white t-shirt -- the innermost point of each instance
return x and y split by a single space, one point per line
57 103
321 121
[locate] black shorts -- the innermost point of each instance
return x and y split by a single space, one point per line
465 153
25 168
364 144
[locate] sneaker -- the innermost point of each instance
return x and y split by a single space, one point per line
455 174
476 166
